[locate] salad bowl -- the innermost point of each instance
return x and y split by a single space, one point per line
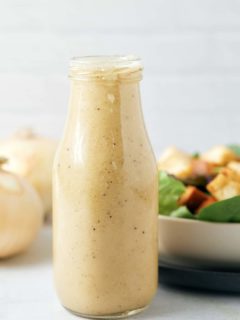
199 243
199 207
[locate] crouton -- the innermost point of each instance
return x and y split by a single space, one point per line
230 174
224 185
219 155
192 198
235 166
175 162
206 203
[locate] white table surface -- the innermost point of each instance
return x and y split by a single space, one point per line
27 293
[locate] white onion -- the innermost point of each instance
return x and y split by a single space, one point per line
31 156
21 214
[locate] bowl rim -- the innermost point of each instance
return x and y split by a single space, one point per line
194 222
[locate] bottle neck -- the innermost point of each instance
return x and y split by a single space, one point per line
104 114
104 96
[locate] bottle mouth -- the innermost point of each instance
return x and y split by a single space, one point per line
106 67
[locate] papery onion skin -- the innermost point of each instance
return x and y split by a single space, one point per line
21 214
31 156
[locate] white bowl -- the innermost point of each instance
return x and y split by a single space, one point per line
198 243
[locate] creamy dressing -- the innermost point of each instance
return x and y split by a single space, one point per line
105 198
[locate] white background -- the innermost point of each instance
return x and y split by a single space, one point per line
190 48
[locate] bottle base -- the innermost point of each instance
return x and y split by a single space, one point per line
120 315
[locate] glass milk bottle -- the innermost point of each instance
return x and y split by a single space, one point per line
105 193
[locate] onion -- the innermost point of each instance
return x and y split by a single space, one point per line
31 156
21 214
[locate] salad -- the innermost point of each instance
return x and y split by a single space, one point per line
200 186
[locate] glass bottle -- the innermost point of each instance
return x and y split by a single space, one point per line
105 193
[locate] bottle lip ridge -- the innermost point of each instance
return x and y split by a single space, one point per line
106 68
100 62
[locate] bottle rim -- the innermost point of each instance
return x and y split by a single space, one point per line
104 61
106 67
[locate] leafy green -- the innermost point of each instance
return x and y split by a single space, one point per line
235 148
217 169
182 212
195 155
222 211
170 190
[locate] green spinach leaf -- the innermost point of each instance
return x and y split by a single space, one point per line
170 190
222 211
182 212
235 148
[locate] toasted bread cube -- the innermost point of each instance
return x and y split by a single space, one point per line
219 155
230 174
235 166
206 203
192 198
176 162
223 186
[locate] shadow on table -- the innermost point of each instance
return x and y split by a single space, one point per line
39 253
200 292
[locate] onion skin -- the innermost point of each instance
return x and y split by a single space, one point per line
21 214
31 156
